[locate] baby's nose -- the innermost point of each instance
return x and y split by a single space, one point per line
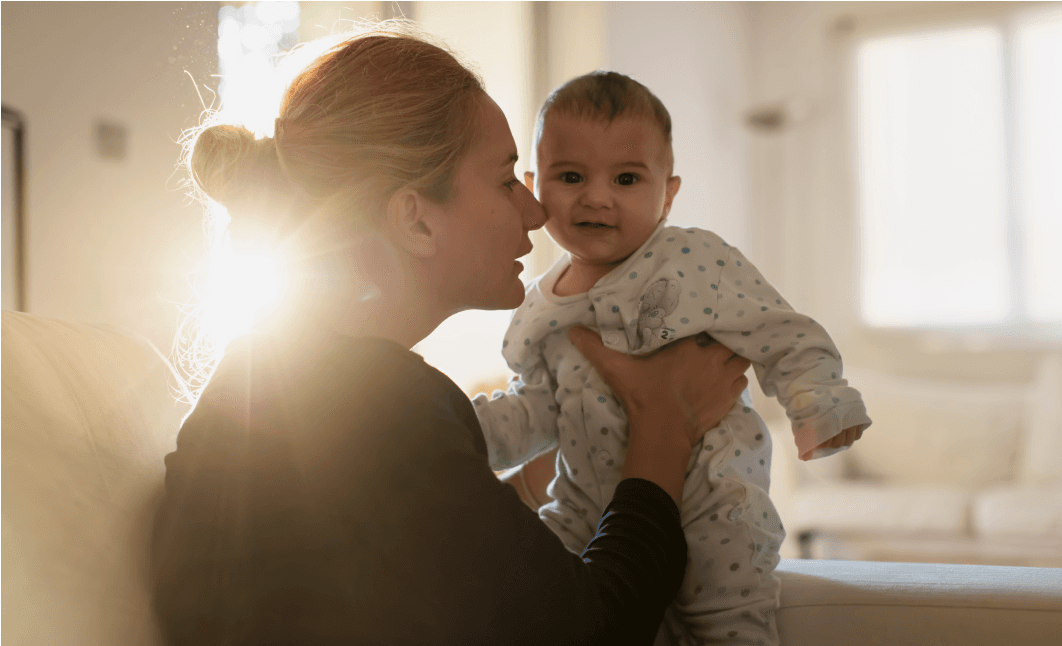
597 194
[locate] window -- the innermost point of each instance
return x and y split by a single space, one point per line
960 177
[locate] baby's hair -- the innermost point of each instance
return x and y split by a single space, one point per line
605 95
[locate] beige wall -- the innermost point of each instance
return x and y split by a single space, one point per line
695 57
108 241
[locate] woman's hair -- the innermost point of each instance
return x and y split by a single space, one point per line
379 109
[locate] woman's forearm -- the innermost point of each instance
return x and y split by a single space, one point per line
659 457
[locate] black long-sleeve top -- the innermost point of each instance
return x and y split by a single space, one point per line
339 493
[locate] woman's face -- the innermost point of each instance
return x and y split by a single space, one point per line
488 220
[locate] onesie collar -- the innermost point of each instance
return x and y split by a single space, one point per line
548 280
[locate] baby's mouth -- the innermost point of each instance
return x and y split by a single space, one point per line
593 225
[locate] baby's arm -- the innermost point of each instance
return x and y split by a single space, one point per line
793 356
520 423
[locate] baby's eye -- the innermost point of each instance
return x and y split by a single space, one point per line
626 179
511 184
568 177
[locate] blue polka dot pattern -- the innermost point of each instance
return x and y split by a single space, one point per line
633 275
685 250
649 254
720 263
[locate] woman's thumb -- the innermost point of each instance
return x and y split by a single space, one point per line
589 344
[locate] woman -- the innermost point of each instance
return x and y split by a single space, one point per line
329 486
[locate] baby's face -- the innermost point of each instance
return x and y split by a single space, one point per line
605 186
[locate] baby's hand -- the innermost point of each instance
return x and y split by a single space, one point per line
844 439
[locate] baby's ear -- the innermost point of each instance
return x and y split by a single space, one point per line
671 189
529 181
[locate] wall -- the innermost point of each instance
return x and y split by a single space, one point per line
695 57
108 241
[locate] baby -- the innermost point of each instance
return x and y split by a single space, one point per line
604 175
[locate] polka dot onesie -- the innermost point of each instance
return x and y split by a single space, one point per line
679 283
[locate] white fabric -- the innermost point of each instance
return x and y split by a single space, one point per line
1027 512
839 603
893 511
930 432
88 415
678 283
1042 456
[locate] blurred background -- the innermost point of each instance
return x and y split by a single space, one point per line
895 169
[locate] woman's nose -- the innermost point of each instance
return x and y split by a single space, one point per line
532 213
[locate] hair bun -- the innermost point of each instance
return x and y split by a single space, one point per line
229 164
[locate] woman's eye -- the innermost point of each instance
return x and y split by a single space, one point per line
511 184
569 177
626 179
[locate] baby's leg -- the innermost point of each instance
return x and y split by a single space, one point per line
730 592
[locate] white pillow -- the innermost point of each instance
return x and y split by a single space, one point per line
934 432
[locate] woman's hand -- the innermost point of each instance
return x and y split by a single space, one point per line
695 380
673 397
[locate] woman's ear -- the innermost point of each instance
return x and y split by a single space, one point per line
409 223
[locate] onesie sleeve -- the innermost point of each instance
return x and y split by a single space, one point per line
521 422
793 356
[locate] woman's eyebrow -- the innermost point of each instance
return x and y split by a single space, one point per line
511 159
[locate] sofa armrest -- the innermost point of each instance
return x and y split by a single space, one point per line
830 603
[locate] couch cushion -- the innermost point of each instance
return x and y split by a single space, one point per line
1041 461
930 432
88 415
1026 512
834 603
892 511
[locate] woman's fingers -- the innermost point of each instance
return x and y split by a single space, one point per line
591 347
740 384
610 364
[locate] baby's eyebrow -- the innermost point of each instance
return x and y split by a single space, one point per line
511 159
564 163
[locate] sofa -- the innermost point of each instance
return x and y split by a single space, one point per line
949 473
88 412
